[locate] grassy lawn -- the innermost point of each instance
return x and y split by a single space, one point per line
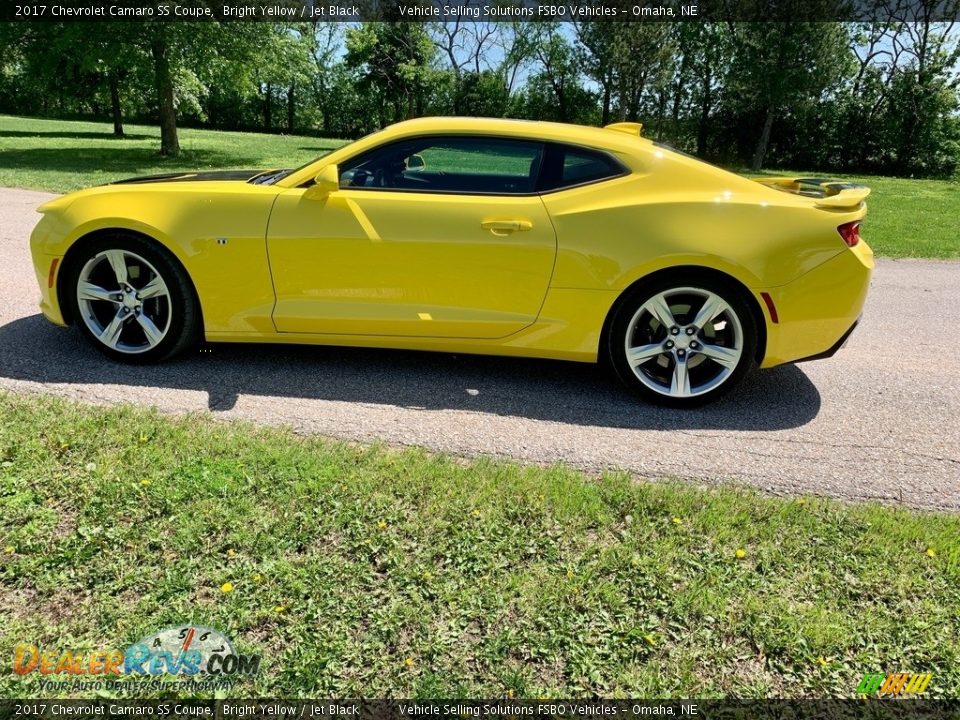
60 155
908 218
913 218
364 572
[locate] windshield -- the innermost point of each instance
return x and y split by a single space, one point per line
274 176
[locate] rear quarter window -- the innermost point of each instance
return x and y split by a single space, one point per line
568 166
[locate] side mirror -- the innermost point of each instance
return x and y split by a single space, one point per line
416 162
326 182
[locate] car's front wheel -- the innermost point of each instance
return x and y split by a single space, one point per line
131 299
683 343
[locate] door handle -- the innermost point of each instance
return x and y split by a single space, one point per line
506 227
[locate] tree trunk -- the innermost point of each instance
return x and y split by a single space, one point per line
169 143
115 104
677 104
661 110
291 109
268 108
605 119
703 125
761 149
559 91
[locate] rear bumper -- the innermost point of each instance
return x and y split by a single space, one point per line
832 350
818 311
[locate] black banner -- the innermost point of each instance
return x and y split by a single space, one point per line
871 708
477 10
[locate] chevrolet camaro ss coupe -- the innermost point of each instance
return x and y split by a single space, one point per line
472 235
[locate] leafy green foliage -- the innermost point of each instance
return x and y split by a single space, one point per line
879 97
392 58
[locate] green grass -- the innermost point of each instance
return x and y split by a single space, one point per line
908 218
913 218
405 574
61 156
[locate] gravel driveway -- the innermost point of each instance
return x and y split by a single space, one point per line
881 420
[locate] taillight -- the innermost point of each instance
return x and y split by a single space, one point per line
850 232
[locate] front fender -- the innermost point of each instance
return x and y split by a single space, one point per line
217 233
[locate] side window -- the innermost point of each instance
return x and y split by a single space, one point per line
464 165
568 166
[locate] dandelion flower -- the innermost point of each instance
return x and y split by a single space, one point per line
9 549
651 640
144 482
677 521
226 587
231 552
822 661
569 573
408 662
931 552
258 578
741 553
381 524
280 608
476 513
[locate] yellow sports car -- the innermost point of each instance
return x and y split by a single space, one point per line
472 235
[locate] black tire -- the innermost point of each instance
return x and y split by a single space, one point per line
706 378
178 306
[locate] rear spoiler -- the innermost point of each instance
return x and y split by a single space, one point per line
630 128
825 193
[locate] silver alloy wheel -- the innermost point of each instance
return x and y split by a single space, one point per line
684 342
124 301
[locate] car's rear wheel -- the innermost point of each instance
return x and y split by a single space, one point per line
132 300
683 343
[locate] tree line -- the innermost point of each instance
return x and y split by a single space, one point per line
870 97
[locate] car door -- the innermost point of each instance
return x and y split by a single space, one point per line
426 237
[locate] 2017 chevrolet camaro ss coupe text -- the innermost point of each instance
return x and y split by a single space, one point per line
502 237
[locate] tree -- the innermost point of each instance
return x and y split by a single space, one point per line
481 94
559 75
925 88
705 49
394 61
627 61
780 66
163 79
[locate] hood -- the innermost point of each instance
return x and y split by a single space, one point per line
219 175
64 201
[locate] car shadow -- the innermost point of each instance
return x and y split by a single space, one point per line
72 135
121 163
32 349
